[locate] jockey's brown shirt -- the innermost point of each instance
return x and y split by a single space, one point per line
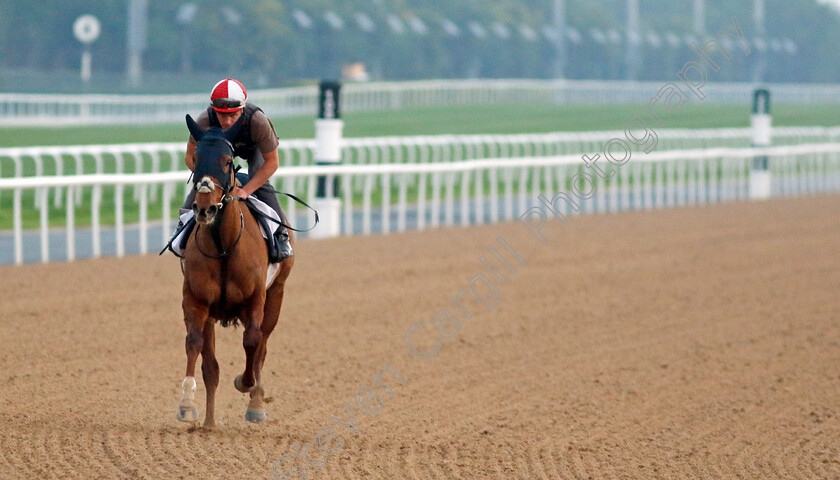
262 132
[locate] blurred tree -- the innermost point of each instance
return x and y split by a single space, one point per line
263 41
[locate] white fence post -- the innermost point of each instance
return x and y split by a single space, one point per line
328 135
760 177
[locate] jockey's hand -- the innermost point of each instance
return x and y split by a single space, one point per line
238 192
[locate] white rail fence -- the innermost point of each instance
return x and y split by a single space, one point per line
156 157
52 110
400 197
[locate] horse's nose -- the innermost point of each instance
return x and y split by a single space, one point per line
206 213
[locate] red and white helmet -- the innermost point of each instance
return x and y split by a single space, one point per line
229 95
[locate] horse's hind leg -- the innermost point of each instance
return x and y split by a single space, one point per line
210 371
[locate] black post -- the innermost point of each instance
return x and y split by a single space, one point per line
328 108
328 99
761 108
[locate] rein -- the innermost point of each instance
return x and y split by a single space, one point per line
225 253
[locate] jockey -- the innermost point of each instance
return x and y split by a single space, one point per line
257 144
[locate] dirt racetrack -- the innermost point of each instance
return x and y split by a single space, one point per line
690 343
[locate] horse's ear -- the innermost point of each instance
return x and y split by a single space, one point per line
195 130
232 132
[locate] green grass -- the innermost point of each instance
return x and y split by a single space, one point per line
447 120
500 119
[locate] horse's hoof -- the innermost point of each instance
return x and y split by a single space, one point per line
237 382
187 414
255 416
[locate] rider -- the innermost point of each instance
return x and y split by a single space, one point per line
256 143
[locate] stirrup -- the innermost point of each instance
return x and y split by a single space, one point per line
284 246
180 225
281 248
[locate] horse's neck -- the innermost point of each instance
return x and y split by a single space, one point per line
227 228
230 223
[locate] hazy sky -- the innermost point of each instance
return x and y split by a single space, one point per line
836 3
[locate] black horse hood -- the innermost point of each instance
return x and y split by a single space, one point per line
213 144
229 134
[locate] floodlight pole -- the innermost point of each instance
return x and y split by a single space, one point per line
700 16
185 17
559 22
758 21
137 14
633 47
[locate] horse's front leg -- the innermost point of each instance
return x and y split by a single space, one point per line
273 301
251 339
195 316
210 371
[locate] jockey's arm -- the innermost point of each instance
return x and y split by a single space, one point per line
265 172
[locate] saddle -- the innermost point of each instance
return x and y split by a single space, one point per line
268 220
272 242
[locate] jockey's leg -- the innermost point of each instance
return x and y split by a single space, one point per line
268 195
188 202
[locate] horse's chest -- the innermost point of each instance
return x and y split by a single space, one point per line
208 285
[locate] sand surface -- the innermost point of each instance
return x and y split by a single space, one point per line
691 343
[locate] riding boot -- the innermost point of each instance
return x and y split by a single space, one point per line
180 226
282 247
282 244
186 207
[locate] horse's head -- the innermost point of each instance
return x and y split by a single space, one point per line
213 177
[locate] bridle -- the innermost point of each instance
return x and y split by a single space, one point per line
217 234
201 174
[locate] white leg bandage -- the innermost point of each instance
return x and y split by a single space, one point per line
188 390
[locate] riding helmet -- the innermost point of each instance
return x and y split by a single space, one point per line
229 95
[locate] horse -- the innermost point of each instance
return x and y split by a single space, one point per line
224 267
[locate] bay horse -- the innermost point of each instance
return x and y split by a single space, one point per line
224 266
